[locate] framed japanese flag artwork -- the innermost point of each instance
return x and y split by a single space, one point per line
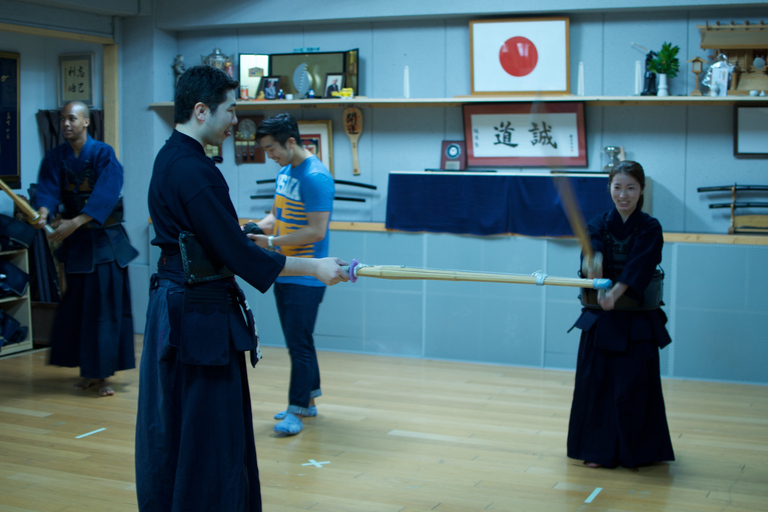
525 134
519 56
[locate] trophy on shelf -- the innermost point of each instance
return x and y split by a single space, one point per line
613 157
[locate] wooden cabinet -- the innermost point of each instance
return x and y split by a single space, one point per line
18 307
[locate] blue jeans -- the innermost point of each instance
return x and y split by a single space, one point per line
297 307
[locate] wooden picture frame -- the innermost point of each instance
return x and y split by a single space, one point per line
317 137
247 150
10 109
525 134
334 82
750 131
76 78
520 56
270 86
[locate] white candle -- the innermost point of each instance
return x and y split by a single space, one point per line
406 83
580 87
638 77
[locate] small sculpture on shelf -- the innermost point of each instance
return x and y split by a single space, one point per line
697 67
649 81
613 157
743 49
218 60
178 67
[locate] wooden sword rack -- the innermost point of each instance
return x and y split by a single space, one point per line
746 223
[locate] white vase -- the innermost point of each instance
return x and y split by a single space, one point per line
663 89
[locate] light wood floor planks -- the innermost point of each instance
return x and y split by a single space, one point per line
398 435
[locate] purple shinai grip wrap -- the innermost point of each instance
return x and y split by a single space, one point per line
352 275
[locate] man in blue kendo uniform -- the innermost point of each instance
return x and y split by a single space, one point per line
298 225
93 327
194 431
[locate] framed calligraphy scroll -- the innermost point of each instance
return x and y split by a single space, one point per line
76 78
526 134
10 160
519 56
750 134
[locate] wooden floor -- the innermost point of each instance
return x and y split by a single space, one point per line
393 435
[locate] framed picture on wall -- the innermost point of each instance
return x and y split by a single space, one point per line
519 56
10 163
76 78
247 150
535 134
317 137
750 132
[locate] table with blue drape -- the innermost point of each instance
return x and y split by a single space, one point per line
490 203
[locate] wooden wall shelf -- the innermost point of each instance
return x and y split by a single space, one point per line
693 238
596 101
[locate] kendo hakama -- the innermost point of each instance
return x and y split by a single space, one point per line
93 326
194 367
618 416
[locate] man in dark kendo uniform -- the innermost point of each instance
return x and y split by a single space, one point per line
93 328
194 431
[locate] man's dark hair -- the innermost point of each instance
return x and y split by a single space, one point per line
200 84
281 127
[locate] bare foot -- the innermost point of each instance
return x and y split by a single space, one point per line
104 389
592 464
84 384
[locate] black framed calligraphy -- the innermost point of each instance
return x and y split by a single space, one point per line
10 163
76 78
750 130
525 134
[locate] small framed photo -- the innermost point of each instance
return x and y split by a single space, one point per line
750 133
525 134
334 82
317 138
519 56
269 86
76 78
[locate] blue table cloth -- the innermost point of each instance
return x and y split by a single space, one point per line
489 204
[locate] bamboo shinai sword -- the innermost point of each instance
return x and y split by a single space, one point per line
32 216
357 269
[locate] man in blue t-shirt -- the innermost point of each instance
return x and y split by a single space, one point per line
298 225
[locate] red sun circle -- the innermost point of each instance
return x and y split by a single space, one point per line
518 56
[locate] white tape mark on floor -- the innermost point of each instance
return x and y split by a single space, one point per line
90 433
593 495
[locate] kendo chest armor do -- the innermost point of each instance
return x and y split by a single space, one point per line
614 260
78 188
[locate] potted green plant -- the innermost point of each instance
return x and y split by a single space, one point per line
666 65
